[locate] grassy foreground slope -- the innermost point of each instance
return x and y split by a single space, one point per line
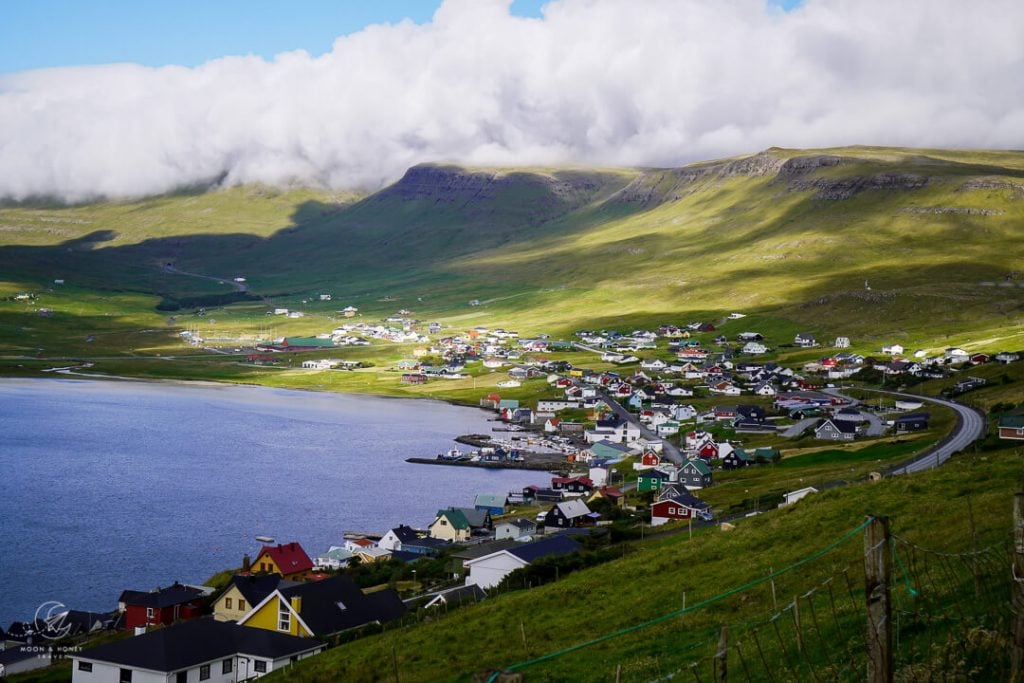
932 510
917 246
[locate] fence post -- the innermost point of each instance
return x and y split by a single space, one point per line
877 572
1017 601
722 657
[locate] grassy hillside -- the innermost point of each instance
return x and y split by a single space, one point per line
917 246
659 574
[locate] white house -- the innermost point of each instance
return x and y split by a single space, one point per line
794 496
893 349
754 347
198 650
842 343
488 571
957 355
518 528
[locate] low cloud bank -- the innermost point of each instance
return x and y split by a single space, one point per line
652 82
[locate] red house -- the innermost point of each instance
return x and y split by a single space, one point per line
650 459
161 607
289 560
683 506
708 450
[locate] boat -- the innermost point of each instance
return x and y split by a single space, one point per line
264 539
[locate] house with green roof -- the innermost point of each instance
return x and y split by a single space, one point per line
1012 427
495 504
695 474
738 458
308 343
450 525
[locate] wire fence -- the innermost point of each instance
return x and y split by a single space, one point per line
947 616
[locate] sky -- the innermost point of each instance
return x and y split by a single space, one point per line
122 98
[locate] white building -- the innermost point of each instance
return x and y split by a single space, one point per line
198 650
488 571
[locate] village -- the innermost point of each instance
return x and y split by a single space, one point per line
635 427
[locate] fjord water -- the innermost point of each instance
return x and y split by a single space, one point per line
112 485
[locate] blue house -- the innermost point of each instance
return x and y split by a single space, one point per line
495 504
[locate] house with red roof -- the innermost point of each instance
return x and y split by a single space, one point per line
288 560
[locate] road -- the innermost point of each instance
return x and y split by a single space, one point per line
970 426
875 425
240 286
669 450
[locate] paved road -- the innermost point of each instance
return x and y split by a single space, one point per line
669 450
240 286
970 426
875 425
796 430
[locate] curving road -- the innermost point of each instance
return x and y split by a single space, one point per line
970 426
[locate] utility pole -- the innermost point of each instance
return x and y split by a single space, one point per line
1017 602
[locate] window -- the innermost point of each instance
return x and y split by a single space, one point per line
227 603
204 672
85 666
259 666
284 618
126 676
181 677
241 604
227 666
149 613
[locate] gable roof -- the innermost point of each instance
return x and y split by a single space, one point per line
573 508
405 534
176 594
556 545
490 500
195 642
519 523
686 500
913 417
454 517
290 558
337 604
699 465
483 549
255 587
839 425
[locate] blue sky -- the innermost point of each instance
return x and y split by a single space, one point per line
47 33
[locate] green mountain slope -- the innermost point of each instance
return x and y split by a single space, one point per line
870 242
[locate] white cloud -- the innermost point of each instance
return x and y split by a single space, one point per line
652 82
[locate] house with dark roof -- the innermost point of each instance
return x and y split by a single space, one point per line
395 538
488 571
912 422
321 608
737 458
569 513
681 507
514 528
199 650
244 592
836 430
22 658
161 607
1012 427
651 480
289 560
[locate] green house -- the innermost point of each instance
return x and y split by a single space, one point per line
651 480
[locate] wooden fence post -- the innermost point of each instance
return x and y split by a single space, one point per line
877 573
722 657
1017 600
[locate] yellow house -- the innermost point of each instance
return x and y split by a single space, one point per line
322 608
280 614
288 560
450 525
243 593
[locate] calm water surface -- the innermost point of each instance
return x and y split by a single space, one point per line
113 485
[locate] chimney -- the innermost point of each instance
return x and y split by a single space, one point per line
246 563
297 604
